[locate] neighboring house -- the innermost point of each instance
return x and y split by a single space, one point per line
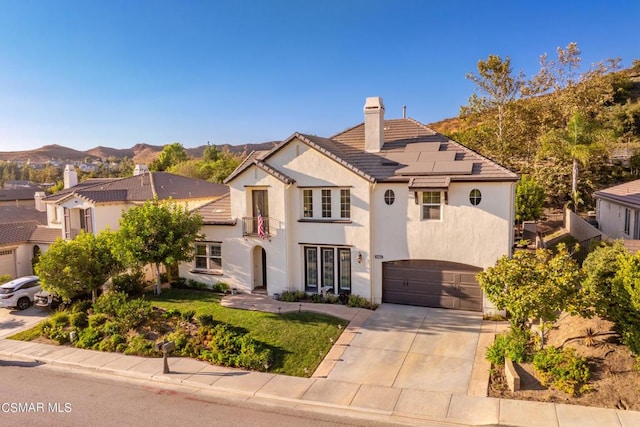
389 210
18 197
23 236
96 204
618 210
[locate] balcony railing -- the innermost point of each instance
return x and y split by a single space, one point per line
250 226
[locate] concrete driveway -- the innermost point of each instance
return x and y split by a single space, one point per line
418 348
12 320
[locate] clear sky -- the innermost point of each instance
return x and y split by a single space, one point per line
121 72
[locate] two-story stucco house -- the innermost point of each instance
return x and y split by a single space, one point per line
389 210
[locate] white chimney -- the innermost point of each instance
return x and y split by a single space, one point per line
373 124
140 169
38 196
70 176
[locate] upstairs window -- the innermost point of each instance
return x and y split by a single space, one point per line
326 203
475 196
307 203
345 203
431 205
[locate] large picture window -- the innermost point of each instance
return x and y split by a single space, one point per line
209 257
332 272
431 205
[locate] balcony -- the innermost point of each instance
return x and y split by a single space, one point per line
250 226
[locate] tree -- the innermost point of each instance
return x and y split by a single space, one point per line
529 199
171 155
497 88
83 264
533 285
158 233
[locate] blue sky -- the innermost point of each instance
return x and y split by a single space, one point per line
117 73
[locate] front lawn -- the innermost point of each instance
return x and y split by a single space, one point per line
297 342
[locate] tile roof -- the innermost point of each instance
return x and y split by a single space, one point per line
217 212
141 188
10 214
17 232
18 194
410 149
44 234
627 193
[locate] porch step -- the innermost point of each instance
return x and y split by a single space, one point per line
260 290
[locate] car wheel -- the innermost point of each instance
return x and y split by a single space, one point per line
23 303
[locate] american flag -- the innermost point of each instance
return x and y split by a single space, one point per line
260 226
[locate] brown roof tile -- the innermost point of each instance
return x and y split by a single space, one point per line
44 234
10 214
17 232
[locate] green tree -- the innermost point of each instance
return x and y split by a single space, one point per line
83 264
533 285
529 199
158 233
171 155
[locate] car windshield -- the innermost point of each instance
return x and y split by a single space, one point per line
4 291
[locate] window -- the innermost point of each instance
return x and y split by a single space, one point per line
389 197
307 201
344 269
475 197
326 203
311 267
328 267
332 271
209 257
345 203
431 208
627 221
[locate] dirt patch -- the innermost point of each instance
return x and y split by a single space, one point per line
615 383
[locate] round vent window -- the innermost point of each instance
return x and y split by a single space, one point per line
389 197
475 197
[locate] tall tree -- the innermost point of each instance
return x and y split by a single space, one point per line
158 233
496 90
171 155
529 199
83 264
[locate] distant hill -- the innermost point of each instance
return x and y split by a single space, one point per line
139 153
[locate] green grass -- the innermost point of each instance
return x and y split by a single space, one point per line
298 340
28 334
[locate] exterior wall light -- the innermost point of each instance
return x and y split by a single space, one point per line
359 258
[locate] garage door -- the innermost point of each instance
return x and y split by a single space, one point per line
431 284
7 263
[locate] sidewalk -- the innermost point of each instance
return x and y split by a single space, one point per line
404 406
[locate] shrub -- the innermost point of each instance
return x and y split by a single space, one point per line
81 307
131 284
181 339
97 320
179 283
88 338
562 370
139 345
59 319
361 302
194 284
220 287
317 298
172 312
59 334
4 278
230 348
188 315
292 296
514 345
331 299
111 343
109 303
133 313
112 327
79 319
206 320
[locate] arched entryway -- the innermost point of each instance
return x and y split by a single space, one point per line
259 257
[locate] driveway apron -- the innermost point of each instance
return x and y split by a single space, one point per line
408 347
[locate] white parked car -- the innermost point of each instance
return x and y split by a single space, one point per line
19 292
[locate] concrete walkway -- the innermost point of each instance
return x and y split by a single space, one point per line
404 404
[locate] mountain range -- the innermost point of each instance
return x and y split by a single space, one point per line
139 153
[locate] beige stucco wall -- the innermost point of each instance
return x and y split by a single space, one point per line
610 217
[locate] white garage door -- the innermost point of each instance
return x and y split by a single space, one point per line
7 263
